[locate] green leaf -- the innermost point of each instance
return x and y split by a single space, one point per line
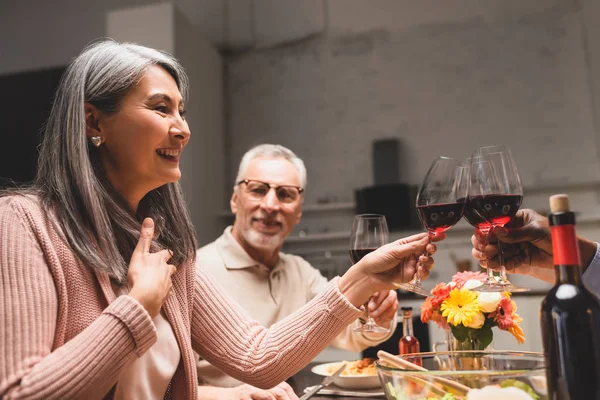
485 336
489 322
460 332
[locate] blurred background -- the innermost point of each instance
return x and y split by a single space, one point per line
367 93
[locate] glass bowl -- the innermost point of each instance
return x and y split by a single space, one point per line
470 375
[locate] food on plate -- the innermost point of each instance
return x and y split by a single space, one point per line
364 367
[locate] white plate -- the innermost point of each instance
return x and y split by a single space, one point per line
348 382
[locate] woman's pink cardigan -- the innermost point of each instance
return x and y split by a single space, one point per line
64 334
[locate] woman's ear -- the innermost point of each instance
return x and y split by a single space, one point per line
92 120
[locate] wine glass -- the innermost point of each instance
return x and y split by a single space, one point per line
440 204
369 231
482 179
495 197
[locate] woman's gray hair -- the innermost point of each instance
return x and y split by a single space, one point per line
94 217
272 151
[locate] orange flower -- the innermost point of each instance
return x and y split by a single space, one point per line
505 313
460 278
441 321
426 310
441 291
516 329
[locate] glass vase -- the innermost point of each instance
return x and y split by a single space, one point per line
453 344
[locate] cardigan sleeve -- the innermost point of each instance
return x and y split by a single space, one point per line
227 337
88 365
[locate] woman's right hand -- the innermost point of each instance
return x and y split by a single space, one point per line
149 275
389 264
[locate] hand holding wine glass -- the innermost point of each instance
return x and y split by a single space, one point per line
440 204
495 195
369 231
527 247
384 267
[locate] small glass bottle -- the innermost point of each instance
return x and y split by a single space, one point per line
408 343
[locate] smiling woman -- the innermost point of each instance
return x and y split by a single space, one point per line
151 120
100 296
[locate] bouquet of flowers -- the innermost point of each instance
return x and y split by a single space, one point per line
471 315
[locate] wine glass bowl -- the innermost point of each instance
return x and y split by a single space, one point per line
440 204
438 218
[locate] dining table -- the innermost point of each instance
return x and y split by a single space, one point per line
305 378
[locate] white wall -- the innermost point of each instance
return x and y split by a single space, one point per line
326 77
38 34
442 77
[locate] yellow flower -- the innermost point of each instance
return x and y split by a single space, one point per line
477 322
460 307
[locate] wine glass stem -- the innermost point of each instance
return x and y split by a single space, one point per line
490 272
370 320
503 277
417 277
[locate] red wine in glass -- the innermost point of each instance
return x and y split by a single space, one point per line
497 209
438 218
357 254
474 218
438 206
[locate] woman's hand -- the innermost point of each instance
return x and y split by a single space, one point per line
149 275
383 307
392 263
283 391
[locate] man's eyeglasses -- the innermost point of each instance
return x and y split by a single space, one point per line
257 190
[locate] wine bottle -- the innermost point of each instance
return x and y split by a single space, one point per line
570 316
408 342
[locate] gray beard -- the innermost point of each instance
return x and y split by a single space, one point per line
263 242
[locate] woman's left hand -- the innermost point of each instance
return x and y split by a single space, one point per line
383 307
392 263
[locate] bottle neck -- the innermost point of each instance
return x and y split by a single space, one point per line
407 325
568 274
566 254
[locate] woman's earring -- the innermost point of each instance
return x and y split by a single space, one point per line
96 140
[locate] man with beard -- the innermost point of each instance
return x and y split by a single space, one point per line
246 261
